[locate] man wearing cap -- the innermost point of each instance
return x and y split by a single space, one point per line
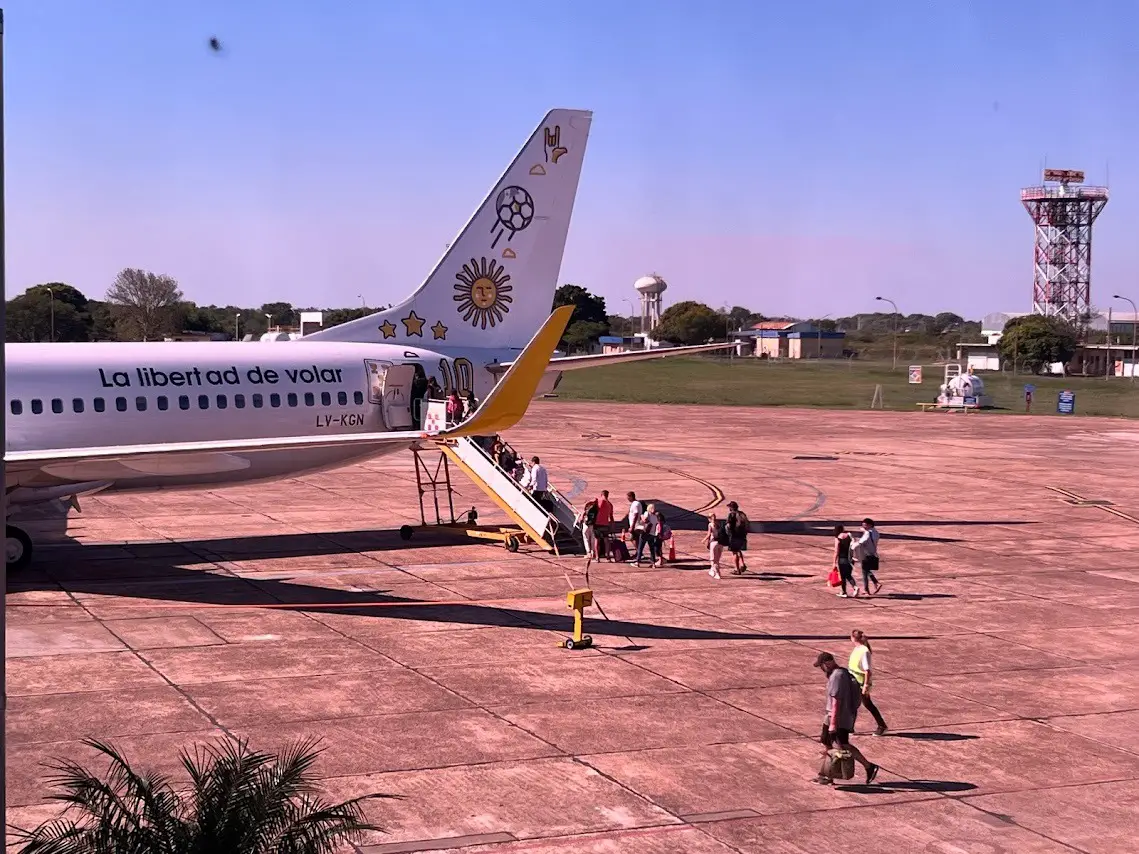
843 699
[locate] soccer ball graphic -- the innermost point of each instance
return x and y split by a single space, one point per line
515 208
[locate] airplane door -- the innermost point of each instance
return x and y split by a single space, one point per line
397 396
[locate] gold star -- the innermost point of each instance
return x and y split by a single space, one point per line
440 330
414 324
388 328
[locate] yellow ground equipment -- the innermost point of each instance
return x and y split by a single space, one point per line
578 600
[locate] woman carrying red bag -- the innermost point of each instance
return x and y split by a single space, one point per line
843 562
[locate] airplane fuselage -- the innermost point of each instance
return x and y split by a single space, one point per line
97 395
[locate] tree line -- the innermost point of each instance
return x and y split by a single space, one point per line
143 306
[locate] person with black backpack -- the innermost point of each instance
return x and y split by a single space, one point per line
588 521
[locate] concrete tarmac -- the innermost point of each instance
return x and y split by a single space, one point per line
1004 636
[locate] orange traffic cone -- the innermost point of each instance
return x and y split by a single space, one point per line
672 549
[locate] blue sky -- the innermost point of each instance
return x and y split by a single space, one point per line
794 158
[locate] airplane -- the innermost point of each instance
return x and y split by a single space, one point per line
84 418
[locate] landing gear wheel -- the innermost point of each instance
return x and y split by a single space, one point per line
18 549
511 544
405 532
569 644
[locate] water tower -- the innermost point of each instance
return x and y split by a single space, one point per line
651 288
1063 212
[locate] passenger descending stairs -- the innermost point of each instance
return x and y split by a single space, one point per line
552 530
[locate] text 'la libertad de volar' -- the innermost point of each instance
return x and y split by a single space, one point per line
191 377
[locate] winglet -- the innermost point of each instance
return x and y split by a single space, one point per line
509 399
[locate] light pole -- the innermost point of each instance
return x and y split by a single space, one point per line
1134 325
361 298
632 313
728 327
895 307
819 329
237 327
268 323
51 294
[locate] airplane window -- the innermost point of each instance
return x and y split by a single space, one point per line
310 399
140 403
121 404
17 406
100 404
77 404
292 398
57 406
342 398
258 401
183 401
274 400
163 402
203 401
239 401
222 402
326 398
37 406
358 397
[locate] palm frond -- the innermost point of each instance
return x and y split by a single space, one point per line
242 801
226 813
317 826
54 836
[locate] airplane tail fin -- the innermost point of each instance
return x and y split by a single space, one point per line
494 286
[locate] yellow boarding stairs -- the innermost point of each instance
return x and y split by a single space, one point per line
551 529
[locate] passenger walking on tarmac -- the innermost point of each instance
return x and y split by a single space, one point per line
636 511
715 539
650 536
860 668
587 518
843 561
843 699
868 552
665 537
604 522
738 525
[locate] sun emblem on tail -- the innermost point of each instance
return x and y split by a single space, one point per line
483 294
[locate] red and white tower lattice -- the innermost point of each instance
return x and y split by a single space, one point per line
1063 211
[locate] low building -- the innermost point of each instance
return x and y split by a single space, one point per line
617 343
979 355
629 343
793 339
1096 360
1091 360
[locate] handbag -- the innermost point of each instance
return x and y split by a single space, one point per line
834 579
838 764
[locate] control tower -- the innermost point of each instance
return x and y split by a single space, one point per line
1063 211
651 288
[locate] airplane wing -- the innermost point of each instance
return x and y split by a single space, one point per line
502 408
573 363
